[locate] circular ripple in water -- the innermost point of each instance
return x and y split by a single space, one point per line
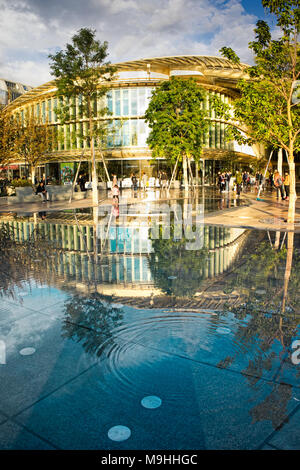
140 358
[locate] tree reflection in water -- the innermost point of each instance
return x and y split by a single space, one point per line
98 318
271 314
175 270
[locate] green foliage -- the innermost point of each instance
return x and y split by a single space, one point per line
170 258
97 315
265 270
18 182
33 140
8 137
265 110
176 119
82 72
28 140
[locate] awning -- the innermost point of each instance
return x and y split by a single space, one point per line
9 167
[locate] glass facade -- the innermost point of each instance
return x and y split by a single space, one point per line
126 123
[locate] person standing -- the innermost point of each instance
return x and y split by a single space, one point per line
286 183
220 181
144 181
238 180
278 183
164 180
81 182
134 182
245 179
115 180
227 176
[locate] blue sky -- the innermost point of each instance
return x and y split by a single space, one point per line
31 29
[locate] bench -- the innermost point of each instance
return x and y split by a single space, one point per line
56 193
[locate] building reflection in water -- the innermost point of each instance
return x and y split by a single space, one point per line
121 265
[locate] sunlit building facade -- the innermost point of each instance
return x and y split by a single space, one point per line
126 149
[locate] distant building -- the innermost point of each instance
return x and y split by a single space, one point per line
9 91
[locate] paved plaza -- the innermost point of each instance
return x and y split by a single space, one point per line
142 344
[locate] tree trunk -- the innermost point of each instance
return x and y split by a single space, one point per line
277 240
288 268
279 161
32 174
92 146
197 173
185 175
94 174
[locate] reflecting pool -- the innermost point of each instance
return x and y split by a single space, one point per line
118 332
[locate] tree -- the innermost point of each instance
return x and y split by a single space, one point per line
266 109
8 132
29 141
33 142
177 121
81 72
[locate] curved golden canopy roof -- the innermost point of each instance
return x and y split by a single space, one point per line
192 62
216 71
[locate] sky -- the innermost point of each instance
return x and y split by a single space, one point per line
30 30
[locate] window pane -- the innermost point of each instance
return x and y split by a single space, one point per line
117 102
49 110
133 111
133 133
109 102
142 101
125 134
44 111
125 111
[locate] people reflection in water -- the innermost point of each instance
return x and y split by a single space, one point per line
42 215
115 193
115 209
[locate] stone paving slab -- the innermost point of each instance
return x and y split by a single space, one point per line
2 417
16 437
202 407
39 359
288 436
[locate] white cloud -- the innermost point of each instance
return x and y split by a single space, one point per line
31 29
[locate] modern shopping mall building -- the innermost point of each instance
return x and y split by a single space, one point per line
126 149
